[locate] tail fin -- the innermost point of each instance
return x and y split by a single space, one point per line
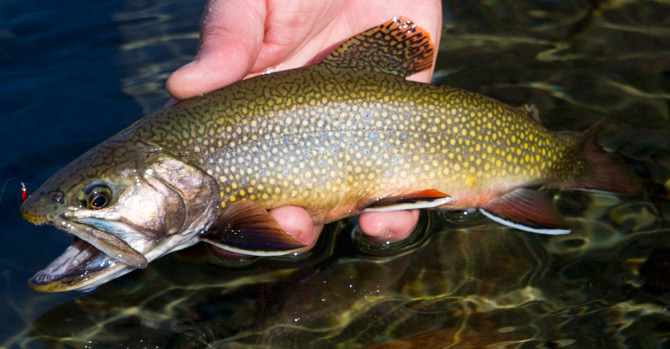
605 171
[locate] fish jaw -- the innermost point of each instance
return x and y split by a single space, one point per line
81 267
107 245
93 258
158 206
84 266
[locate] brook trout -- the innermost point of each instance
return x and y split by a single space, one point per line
344 136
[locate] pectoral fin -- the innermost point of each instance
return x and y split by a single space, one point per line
430 198
247 228
528 210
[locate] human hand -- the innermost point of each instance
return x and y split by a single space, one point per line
243 38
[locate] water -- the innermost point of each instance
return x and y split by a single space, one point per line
74 74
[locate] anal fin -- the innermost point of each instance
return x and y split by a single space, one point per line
430 198
528 210
247 228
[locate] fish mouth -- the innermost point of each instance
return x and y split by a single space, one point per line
81 267
93 258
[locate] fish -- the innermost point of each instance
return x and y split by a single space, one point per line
347 135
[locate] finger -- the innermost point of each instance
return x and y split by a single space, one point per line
230 39
388 226
292 32
298 223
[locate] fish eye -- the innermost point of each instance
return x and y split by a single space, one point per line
95 197
98 201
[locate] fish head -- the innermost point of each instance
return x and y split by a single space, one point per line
125 205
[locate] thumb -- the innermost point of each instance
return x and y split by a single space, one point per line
230 39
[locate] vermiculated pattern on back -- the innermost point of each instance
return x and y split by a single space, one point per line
321 136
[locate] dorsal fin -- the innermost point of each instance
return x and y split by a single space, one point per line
396 47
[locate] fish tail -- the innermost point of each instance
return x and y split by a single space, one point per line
603 170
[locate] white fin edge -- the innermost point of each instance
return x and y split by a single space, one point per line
251 253
410 206
499 220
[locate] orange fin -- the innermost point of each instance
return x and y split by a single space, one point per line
396 47
429 198
247 228
527 210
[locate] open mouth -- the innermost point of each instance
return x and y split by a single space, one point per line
79 263
90 260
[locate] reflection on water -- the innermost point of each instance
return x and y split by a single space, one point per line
462 279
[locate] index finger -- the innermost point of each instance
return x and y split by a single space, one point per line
230 39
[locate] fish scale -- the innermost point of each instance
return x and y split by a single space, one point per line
358 142
341 137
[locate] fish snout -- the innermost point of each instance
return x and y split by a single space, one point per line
38 207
